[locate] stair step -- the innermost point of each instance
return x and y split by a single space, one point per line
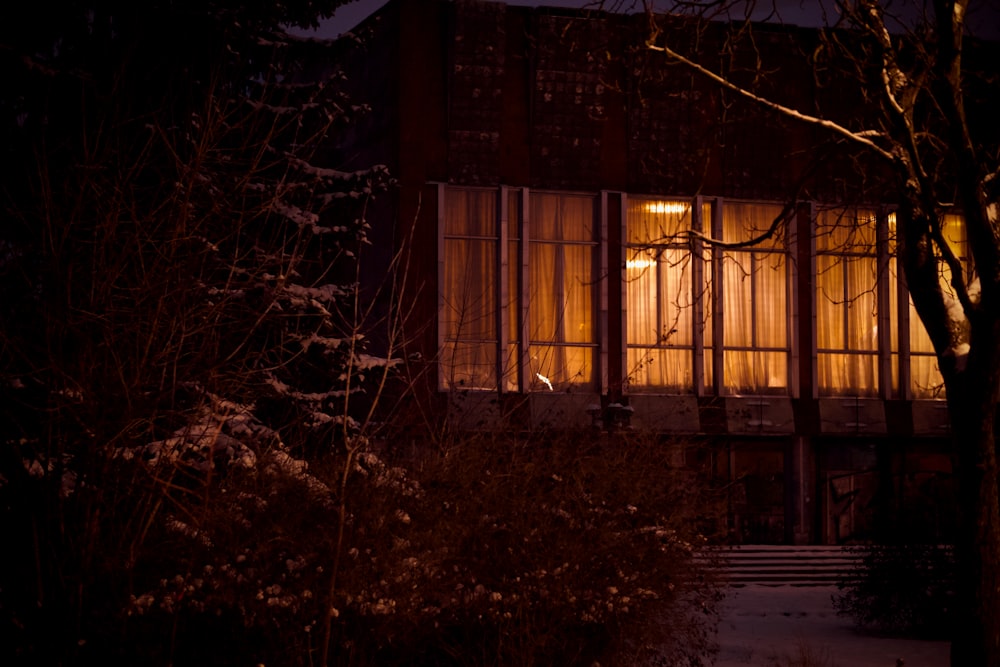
776 565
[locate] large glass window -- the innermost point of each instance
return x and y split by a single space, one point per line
490 299
847 314
756 313
666 323
561 327
469 291
521 287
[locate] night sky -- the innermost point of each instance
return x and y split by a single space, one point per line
984 15
800 12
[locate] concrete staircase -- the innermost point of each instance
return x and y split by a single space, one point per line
785 565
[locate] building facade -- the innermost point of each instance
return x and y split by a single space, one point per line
597 237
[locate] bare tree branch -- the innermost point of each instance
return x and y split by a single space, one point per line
861 138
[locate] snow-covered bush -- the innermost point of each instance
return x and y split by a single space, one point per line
183 336
547 549
550 548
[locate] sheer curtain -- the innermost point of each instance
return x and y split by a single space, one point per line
755 303
925 377
847 326
561 291
468 316
846 308
660 305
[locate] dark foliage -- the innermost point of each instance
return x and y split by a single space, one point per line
900 589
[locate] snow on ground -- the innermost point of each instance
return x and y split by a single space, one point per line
776 626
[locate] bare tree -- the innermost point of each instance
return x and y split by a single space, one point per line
920 79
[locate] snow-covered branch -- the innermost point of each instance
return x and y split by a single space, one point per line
861 138
893 79
958 281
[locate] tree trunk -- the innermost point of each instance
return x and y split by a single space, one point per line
972 406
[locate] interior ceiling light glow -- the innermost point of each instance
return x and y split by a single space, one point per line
640 263
667 207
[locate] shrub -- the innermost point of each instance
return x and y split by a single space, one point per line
568 549
899 589
562 548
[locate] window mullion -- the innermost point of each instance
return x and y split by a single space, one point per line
813 302
658 296
601 328
718 324
792 307
623 256
697 303
754 338
524 343
903 301
503 267
440 279
884 316
845 308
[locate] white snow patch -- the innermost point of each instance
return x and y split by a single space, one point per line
280 462
545 380
300 217
324 341
960 353
324 173
188 530
322 293
765 625
365 362
975 290
955 311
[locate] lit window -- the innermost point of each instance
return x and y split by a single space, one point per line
469 296
561 279
484 284
663 320
846 303
756 314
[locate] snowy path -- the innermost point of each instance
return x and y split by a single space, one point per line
769 626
